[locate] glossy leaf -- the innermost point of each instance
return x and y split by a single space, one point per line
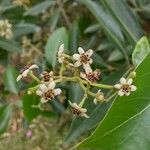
57 38
5 113
141 50
122 111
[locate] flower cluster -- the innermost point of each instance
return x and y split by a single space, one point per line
5 29
76 68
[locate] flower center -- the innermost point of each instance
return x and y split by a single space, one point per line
75 111
49 94
92 76
84 58
46 76
126 88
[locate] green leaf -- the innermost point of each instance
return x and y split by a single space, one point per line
25 28
9 45
74 36
121 12
57 38
10 79
121 114
80 126
109 25
29 101
5 113
141 50
39 8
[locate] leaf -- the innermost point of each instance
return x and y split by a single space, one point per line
39 8
10 79
122 111
5 113
25 28
74 36
54 19
109 25
92 28
57 38
29 101
121 12
141 50
80 126
9 45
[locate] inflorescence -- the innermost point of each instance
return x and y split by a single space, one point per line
81 72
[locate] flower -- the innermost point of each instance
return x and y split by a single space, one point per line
21 2
60 52
91 75
47 76
78 110
125 87
24 72
29 133
99 96
5 29
83 58
47 92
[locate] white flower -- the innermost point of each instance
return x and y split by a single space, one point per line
83 58
125 87
47 76
47 92
5 29
60 52
24 72
99 97
77 110
91 76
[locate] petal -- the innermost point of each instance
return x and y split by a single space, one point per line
89 52
42 88
33 66
83 110
120 93
61 48
19 77
127 94
81 50
52 85
75 105
95 101
90 61
51 73
77 64
85 115
117 86
25 73
133 88
38 92
76 56
57 91
43 100
129 82
87 68
123 80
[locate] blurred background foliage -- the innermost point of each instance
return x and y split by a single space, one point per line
109 27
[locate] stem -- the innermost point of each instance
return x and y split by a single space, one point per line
99 85
83 100
34 77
